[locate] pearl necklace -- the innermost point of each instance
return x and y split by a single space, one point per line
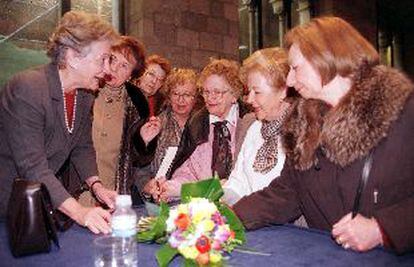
69 128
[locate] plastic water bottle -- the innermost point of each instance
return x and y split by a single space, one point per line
124 221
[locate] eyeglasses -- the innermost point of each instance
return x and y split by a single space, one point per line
186 97
154 76
214 93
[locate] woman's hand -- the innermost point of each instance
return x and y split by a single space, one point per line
359 233
95 219
104 195
151 187
150 129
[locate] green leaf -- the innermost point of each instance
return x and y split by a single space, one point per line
165 254
157 230
210 189
190 263
233 221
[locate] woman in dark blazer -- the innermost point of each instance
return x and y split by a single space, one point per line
45 118
355 111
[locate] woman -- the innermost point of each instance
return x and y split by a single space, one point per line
356 112
181 89
150 102
114 113
261 157
208 142
45 118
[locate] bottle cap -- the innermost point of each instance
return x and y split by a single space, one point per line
123 200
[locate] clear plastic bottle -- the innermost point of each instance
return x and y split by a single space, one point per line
124 221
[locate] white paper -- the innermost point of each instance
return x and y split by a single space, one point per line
166 162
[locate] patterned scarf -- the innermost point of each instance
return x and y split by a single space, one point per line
266 157
222 157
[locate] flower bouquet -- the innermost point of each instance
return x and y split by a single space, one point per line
201 229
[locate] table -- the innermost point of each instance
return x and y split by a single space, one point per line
287 245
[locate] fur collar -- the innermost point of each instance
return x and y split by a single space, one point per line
351 129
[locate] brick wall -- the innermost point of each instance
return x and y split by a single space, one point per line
187 32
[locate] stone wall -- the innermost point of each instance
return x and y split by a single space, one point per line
187 32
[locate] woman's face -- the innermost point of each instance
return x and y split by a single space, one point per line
121 69
302 75
91 68
182 98
152 79
264 98
218 95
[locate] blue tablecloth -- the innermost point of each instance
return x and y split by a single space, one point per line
287 245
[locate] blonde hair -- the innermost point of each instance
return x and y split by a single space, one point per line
332 46
270 62
229 69
77 30
179 77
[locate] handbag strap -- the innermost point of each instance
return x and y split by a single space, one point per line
362 183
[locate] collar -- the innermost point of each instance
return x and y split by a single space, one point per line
231 117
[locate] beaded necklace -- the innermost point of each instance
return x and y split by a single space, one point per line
65 109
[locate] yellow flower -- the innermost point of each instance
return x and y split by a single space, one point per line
215 257
183 208
189 252
206 225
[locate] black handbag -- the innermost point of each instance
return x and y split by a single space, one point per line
30 223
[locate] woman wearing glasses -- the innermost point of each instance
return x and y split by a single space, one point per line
208 142
166 129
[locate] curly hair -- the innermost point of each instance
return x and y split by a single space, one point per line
179 76
270 62
130 48
229 69
77 30
163 62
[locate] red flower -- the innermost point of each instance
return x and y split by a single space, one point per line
203 244
232 234
182 221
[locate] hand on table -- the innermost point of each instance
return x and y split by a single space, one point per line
150 129
359 233
95 219
105 195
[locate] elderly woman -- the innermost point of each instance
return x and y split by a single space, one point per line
115 112
339 140
261 157
45 118
208 143
151 102
181 90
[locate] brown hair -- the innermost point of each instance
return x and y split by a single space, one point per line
77 30
130 48
163 62
332 46
270 62
179 77
229 69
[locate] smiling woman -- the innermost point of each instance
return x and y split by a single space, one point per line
261 157
46 122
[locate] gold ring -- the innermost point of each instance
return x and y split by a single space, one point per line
339 240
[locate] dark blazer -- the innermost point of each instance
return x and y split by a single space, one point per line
34 142
326 153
